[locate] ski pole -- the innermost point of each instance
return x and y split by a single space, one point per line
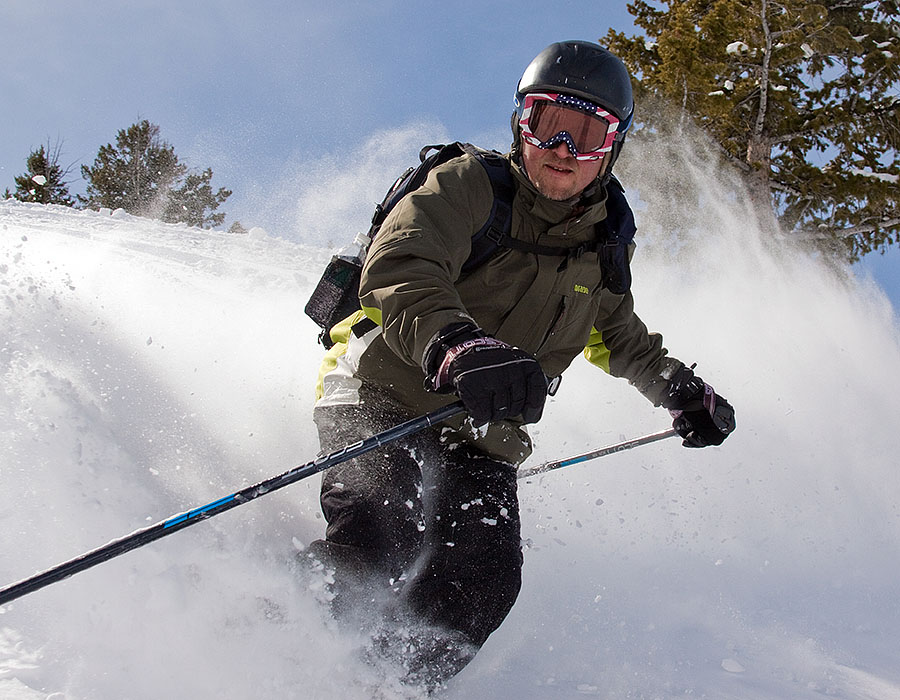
602 452
139 538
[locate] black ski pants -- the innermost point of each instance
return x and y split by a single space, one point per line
426 531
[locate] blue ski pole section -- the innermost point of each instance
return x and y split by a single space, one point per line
178 522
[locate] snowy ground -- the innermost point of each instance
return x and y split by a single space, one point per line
148 369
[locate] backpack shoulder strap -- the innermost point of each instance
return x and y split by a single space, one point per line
413 178
495 230
619 217
616 233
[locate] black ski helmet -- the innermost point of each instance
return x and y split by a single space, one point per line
585 70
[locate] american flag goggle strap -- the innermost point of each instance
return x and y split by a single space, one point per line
549 119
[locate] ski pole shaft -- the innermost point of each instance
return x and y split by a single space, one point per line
602 452
161 529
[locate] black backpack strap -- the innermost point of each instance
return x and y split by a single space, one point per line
507 241
619 217
413 179
495 231
617 233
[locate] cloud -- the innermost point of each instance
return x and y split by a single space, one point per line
316 198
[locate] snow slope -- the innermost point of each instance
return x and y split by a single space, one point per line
150 368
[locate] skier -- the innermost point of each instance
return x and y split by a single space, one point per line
425 533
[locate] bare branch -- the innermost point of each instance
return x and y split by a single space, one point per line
827 233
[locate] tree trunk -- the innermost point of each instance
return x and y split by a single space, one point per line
759 152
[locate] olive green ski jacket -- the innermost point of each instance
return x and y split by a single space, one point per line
553 306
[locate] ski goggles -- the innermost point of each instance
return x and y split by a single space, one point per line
549 119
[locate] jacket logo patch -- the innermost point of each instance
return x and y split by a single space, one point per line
581 289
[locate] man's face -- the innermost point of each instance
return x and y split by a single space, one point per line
556 173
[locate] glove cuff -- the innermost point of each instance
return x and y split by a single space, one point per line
445 339
442 381
448 344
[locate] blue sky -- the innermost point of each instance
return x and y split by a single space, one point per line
248 88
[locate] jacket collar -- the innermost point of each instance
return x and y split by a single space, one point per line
573 218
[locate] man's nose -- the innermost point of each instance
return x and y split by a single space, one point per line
562 150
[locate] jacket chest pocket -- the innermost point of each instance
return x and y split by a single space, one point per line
576 306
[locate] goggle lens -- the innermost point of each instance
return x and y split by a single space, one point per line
549 119
587 131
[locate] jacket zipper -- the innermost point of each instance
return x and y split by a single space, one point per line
560 311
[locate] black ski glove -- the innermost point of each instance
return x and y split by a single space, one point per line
494 380
700 415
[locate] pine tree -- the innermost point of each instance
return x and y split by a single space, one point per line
801 97
44 180
142 175
191 201
135 174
